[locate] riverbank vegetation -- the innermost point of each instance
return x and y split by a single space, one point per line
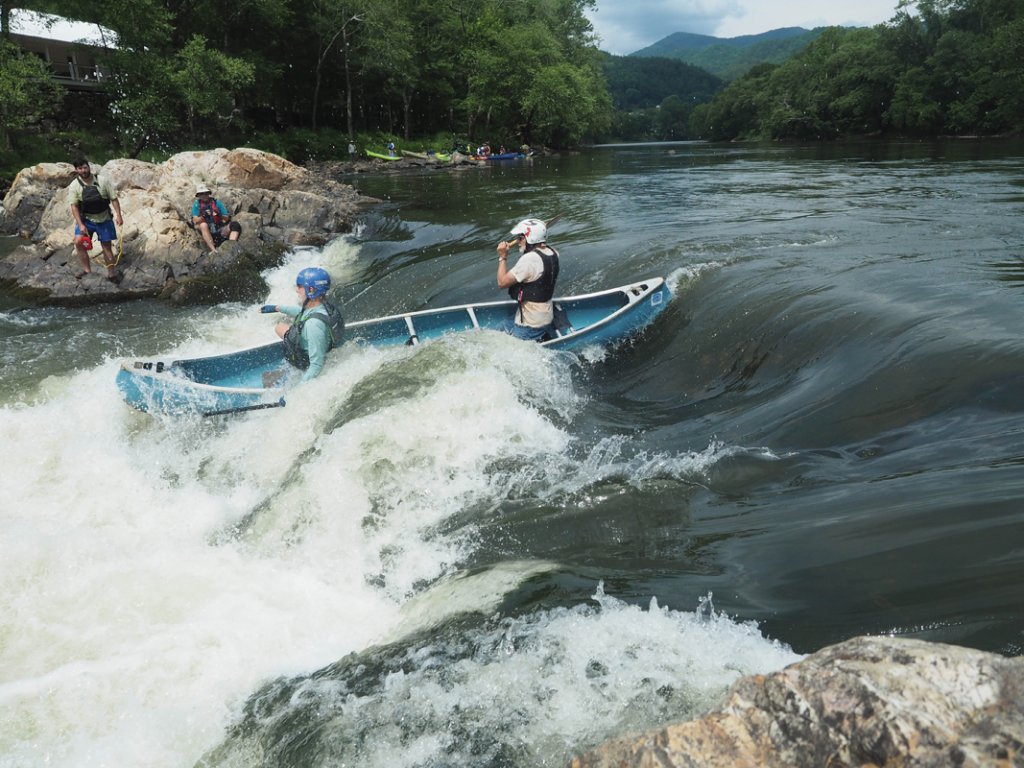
953 67
303 77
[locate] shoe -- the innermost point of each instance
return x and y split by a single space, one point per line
115 278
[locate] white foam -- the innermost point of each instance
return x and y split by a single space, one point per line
538 687
134 622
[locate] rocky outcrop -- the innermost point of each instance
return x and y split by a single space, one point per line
278 204
870 701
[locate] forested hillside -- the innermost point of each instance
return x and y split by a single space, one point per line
637 83
654 98
732 57
299 77
505 70
954 67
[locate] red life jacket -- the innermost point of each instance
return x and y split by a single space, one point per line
208 210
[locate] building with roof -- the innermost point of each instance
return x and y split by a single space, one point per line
72 49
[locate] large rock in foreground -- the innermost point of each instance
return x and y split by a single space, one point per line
870 701
278 204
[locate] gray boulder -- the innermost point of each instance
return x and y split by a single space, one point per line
870 701
278 204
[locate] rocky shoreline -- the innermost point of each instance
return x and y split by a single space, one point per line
278 204
866 702
405 164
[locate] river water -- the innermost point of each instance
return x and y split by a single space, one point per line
482 553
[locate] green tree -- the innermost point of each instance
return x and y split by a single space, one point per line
144 106
27 91
742 109
639 82
207 80
389 44
954 66
1008 76
673 119
913 111
334 24
961 81
524 76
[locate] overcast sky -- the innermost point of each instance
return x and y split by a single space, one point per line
626 26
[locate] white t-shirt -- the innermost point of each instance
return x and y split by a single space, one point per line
536 314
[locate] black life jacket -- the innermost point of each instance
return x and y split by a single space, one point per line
293 351
208 210
541 289
93 202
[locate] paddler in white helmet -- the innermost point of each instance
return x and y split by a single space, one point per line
531 282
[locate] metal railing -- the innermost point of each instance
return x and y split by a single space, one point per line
70 73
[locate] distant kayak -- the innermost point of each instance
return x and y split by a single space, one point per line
381 156
429 156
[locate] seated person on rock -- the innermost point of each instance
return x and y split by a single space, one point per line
212 220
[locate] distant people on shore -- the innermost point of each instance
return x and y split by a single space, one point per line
91 199
351 150
391 149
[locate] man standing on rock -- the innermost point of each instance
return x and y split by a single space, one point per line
91 199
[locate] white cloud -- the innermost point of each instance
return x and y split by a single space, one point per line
626 26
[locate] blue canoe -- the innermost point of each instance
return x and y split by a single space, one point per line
254 378
501 156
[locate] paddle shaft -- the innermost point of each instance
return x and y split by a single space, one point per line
242 409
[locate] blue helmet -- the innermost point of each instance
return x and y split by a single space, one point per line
314 281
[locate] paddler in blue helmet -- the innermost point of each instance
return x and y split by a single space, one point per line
316 327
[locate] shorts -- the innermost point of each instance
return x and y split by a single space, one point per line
219 236
105 230
528 333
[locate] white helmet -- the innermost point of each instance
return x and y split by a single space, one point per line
536 231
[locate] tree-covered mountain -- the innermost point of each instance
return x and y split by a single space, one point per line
654 97
950 67
732 57
640 83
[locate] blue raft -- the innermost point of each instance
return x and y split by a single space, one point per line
254 378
